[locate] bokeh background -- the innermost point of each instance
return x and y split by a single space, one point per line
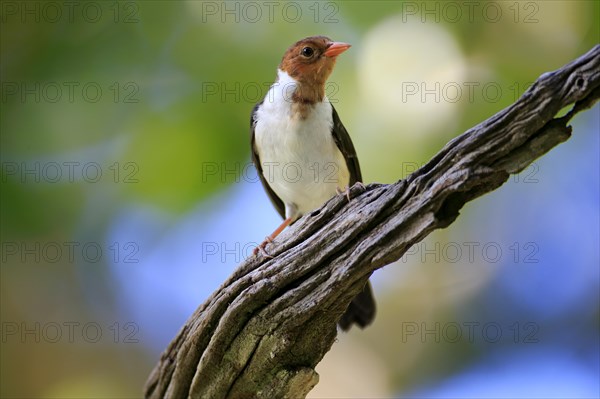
127 195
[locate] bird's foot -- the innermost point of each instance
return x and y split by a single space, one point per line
269 239
261 248
346 192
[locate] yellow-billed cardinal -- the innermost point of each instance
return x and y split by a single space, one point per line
301 150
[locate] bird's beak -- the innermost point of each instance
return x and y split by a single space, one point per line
335 49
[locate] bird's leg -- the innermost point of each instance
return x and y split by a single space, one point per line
339 191
347 190
271 237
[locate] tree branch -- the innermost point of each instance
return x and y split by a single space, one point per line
262 333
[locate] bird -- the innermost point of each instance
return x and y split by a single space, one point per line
301 150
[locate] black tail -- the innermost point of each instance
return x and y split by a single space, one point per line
361 310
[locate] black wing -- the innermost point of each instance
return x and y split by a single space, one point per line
361 310
277 202
344 143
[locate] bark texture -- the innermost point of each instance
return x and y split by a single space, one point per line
262 333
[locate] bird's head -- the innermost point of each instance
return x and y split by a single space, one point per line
309 62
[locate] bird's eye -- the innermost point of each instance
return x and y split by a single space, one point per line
307 52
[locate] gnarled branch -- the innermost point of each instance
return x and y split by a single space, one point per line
262 333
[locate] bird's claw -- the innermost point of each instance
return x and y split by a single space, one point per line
261 248
347 190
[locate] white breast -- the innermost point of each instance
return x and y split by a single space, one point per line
299 157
